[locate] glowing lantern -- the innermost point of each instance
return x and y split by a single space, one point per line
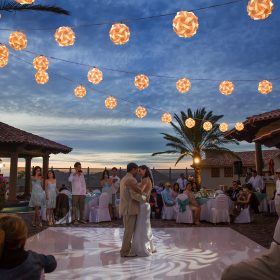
185 24
223 127
41 63
259 9
141 81
95 76
119 33
265 87
207 126
190 123
111 102
25 2
166 118
239 126
183 85
41 77
226 87
65 36
141 112
17 40
4 55
80 91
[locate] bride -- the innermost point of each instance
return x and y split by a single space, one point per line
142 244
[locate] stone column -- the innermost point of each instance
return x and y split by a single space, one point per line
259 159
27 176
45 166
13 178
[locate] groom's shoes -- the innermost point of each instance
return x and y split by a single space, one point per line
130 255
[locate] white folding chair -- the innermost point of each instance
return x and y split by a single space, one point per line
220 212
185 217
101 212
168 212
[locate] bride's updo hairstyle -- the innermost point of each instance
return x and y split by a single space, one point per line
147 173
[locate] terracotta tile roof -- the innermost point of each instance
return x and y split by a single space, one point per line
12 135
265 116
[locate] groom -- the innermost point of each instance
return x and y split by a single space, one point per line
130 196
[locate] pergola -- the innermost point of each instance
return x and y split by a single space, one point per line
263 129
16 143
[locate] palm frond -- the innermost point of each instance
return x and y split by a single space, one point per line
165 152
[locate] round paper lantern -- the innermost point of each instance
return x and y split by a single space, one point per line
166 118
23 2
190 123
65 36
80 91
141 81
223 127
259 9
141 112
95 76
41 63
18 40
4 55
265 87
41 77
119 33
183 85
185 24
226 87
239 126
111 102
207 126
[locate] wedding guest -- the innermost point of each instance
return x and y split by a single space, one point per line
182 181
15 261
257 182
156 203
196 190
115 188
50 190
195 207
106 183
77 179
2 191
233 191
175 191
248 175
37 199
166 195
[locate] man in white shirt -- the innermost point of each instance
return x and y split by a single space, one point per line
79 188
115 188
256 181
182 182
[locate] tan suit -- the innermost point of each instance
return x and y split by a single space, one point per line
129 208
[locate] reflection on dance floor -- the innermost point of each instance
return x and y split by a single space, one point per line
187 253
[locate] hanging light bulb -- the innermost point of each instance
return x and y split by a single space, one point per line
111 102
80 91
141 112
41 63
185 24
141 82
223 127
95 76
259 9
65 36
166 118
190 123
41 77
25 2
226 87
119 34
18 40
265 87
239 126
207 126
183 85
4 55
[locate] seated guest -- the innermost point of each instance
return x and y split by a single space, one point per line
196 190
15 261
233 191
175 191
195 207
156 203
166 195
159 188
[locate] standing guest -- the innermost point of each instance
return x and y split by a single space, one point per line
195 207
248 175
182 181
77 179
15 261
107 185
166 195
233 191
175 191
277 204
115 188
50 190
257 182
156 203
2 191
37 199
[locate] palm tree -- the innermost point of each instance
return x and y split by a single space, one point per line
194 141
11 6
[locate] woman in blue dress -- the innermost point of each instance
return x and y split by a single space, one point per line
51 191
106 184
37 199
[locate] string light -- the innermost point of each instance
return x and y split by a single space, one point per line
95 76
18 40
185 24
119 33
259 9
41 63
4 55
111 102
80 91
226 87
239 126
223 127
141 112
207 126
265 87
65 36
141 82
25 2
190 123
183 85
166 118
41 77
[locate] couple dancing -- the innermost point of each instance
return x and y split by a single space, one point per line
135 210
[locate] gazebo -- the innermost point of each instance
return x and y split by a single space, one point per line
263 129
16 143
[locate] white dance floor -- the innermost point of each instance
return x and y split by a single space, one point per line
184 253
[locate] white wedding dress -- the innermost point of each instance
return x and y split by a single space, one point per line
142 244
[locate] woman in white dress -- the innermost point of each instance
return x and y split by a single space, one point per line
142 244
